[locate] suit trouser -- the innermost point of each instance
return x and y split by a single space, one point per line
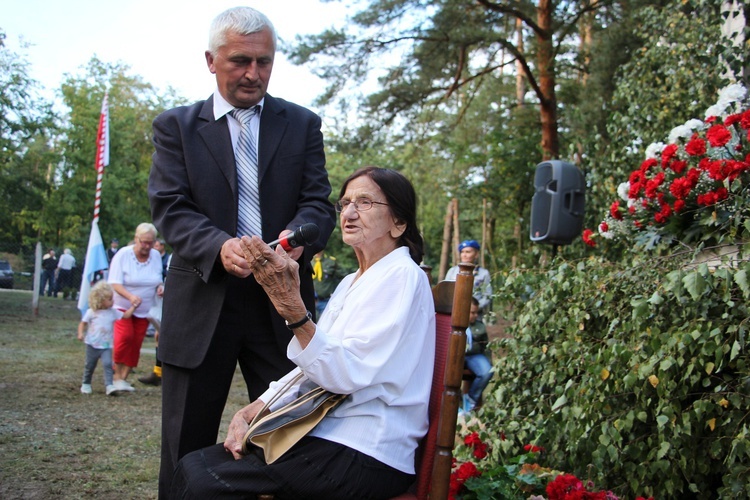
193 400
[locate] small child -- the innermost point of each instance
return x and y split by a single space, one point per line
100 319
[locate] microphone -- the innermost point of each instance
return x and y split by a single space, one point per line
306 234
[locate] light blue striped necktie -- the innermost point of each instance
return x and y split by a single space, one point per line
246 159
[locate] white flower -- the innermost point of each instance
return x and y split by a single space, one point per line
605 234
623 190
679 132
732 93
716 110
695 124
729 95
654 150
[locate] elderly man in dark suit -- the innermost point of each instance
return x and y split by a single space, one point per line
215 313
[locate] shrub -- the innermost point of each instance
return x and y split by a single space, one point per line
633 375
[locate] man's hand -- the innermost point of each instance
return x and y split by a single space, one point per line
233 259
238 427
294 253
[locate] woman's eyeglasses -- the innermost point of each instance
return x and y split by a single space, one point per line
360 205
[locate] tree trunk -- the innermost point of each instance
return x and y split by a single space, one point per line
446 242
520 74
546 64
456 233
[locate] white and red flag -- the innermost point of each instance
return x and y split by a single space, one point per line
96 256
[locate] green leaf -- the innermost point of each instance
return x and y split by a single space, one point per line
736 349
695 284
740 277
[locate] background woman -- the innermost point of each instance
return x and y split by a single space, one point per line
135 273
375 341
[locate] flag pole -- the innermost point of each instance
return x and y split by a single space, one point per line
96 256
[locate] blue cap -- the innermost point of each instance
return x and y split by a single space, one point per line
468 243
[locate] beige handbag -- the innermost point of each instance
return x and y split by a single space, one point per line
279 430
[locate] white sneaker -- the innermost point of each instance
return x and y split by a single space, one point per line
111 390
86 388
122 385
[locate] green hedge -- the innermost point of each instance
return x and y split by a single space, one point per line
634 376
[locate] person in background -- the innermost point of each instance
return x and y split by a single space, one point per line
375 342
136 275
477 358
327 273
154 317
49 267
64 277
160 246
240 163
96 331
114 245
469 251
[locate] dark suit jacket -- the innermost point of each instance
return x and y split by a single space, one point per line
193 193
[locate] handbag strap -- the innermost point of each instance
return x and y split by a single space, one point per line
276 397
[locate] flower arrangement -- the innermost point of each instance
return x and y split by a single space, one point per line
692 188
475 477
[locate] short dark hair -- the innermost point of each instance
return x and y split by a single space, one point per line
402 202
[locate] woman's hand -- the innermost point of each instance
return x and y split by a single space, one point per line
238 427
278 274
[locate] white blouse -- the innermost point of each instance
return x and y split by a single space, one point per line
139 278
376 342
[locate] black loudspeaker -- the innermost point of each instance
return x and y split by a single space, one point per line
558 203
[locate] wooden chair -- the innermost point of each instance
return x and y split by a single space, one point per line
435 452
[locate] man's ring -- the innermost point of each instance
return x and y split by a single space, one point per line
265 261
235 267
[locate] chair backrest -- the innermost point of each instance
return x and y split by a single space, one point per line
434 456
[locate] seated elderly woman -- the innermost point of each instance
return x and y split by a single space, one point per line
375 341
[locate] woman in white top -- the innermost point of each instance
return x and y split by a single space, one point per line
135 274
375 341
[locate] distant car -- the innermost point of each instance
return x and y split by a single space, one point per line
6 274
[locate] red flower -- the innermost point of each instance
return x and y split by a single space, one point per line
467 470
603 227
718 135
480 451
745 120
667 154
472 439
648 163
678 166
732 119
696 146
532 447
614 210
588 240
662 215
652 186
681 187
562 486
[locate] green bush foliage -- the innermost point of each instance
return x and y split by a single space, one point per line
632 375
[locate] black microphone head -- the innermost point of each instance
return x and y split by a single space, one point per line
307 234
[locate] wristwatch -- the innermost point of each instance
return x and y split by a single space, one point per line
299 323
